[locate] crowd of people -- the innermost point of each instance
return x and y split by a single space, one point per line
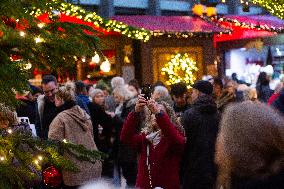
225 134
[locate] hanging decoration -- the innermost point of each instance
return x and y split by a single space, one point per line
127 54
105 66
181 68
198 9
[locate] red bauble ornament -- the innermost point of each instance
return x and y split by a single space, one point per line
1 33
52 177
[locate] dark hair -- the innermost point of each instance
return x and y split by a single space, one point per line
262 79
36 90
219 82
178 89
135 84
88 87
48 78
80 87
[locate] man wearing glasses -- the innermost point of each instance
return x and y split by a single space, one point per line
46 109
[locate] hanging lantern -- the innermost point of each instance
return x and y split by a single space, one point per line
105 66
211 11
198 9
96 58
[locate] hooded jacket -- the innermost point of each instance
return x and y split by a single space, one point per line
201 126
75 126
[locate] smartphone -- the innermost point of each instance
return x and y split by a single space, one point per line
147 90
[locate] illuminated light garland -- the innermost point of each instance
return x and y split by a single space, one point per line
275 7
180 68
207 34
108 25
219 20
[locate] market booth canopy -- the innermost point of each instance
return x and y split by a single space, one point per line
184 26
248 27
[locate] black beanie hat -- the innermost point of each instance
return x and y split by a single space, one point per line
203 86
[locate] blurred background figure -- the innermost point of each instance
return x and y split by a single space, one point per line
228 96
125 157
250 94
27 108
133 87
161 93
179 95
103 129
217 88
262 86
250 148
279 102
276 93
71 86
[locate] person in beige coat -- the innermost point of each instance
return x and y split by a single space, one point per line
74 125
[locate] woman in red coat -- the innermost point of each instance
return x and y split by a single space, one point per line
160 144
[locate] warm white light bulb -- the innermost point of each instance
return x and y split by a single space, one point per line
22 34
41 25
105 66
38 40
9 131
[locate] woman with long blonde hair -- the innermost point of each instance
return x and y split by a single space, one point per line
160 144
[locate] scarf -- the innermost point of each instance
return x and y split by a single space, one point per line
154 137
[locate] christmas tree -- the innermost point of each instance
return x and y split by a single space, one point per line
26 43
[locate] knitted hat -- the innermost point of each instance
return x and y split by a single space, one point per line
203 86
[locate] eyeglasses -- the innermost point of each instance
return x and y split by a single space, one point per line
50 91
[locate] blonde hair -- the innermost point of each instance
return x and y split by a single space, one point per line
123 92
250 94
65 93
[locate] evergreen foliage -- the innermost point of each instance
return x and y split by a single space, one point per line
22 157
53 47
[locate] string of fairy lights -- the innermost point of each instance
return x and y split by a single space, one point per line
218 20
108 25
181 68
275 7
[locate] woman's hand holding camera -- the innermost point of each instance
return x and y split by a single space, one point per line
151 104
141 102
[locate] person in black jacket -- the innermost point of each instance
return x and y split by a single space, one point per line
103 125
279 102
27 108
201 126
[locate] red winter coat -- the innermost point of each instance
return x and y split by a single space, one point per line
164 159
